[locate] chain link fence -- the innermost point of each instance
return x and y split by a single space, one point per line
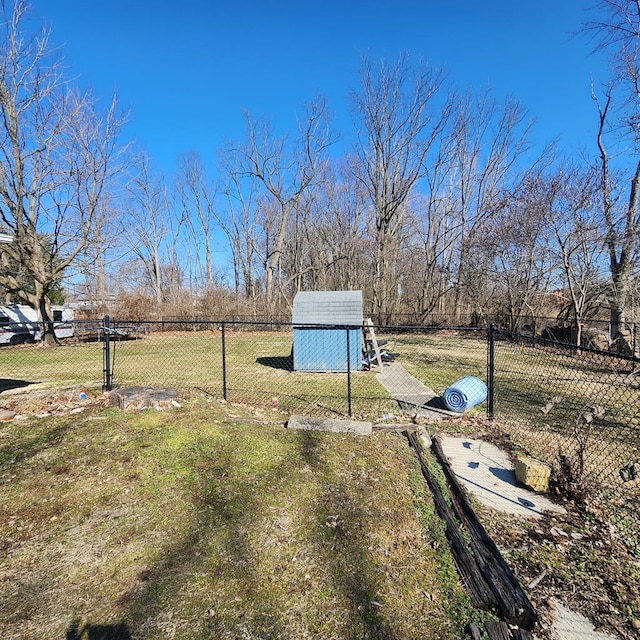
318 369
77 363
578 409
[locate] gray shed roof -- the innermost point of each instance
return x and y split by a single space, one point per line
328 307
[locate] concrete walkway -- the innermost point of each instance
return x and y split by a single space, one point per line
569 625
487 473
412 395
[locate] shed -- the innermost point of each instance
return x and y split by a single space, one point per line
324 348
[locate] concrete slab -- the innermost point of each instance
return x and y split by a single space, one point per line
309 423
569 625
487 472
411 394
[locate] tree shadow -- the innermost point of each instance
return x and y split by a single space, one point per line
285 363
10 383
224 503
12 453
227 502
309 446
342 547
339 540
88 631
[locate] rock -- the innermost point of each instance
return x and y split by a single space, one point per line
6 415
425 438
533 474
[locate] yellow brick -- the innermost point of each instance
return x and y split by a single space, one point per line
533 474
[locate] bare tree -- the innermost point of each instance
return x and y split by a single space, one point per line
397 120
337 230
91 273
151 231
57 157
616 32
578 248
490 142
281 173
427 256
621 222
238 220
516 243
196 199
475 168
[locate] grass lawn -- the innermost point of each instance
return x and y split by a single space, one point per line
439 359
258 368
79 363
205 522
213 521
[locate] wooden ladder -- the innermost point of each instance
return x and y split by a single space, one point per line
374 343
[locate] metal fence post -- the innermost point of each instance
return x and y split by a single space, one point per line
224 362
107 382
490 369
348 372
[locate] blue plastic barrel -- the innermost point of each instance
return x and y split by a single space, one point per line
464 394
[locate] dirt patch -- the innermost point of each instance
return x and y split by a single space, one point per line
581 563
43 400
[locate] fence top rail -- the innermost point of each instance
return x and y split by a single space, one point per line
120 322
131 321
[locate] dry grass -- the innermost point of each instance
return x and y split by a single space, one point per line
208 521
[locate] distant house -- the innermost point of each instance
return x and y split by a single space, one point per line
324 348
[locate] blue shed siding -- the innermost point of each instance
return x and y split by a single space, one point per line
317 349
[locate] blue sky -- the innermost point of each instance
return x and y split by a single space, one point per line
186 70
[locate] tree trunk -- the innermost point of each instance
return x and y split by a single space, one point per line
45 318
